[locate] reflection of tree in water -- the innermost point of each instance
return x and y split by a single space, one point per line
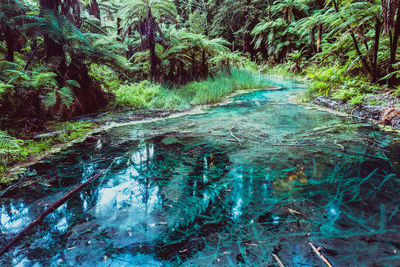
185 170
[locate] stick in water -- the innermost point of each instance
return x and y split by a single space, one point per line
325 260
280 263
49 210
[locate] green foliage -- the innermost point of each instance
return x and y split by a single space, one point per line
13 150
44 80
65 96
8 147
4 87
137 94
335 82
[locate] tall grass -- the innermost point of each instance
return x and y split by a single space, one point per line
212 90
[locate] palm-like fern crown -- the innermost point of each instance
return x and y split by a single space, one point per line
138 10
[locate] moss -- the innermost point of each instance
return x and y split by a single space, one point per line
29 147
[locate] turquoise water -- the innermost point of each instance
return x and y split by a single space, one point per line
232 186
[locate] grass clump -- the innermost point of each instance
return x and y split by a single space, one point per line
212 90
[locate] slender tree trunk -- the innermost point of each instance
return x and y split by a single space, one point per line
119 30
193 70
171 73
312 41
204 67
151 44
355 43
375 73
394 44
94 10
10 42
319 39
246 43
362 57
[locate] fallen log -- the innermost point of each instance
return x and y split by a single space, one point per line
49 210
52 134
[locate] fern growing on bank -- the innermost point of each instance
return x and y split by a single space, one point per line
8 145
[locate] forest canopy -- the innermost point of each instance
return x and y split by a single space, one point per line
64 58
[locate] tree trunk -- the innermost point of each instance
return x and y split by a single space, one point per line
46 212
9 37
151 44
246 43
94 10
363 59
171 73
90 95
119 30
393 46
320 29
204 66
375 73
52 48
193 70
355 43
312 41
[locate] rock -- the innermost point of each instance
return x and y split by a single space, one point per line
396 122
52 134
91 139
371 112
388 114
329 103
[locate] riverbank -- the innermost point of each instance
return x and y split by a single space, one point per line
348 95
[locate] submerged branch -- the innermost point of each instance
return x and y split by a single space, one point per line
48 211
319 254
280 263
237 139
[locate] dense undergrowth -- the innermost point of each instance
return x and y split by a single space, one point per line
335 82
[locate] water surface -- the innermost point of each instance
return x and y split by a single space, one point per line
246 180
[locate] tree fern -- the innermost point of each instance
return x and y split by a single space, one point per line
8 143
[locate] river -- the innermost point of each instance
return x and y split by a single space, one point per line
254 177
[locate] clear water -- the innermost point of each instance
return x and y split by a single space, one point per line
256 177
